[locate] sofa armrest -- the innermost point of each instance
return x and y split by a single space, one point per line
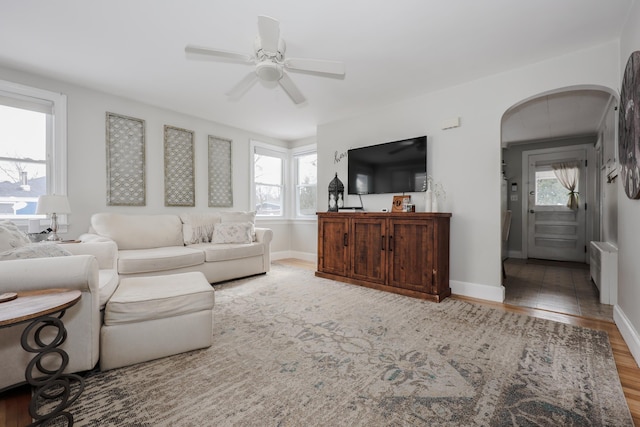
82 321
106 252
94 238
72 272
264 235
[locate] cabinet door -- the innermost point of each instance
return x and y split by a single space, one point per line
411 254
333 254
368 250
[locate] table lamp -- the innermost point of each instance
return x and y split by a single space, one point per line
53 205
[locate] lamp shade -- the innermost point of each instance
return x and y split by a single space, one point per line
49 204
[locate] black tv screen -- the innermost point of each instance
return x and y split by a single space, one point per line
393 167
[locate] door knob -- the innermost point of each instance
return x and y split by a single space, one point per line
532 211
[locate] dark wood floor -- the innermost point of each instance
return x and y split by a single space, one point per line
14 404
565 287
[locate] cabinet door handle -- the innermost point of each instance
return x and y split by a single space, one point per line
346 239
383 242
390 243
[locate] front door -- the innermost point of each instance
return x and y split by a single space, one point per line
555 231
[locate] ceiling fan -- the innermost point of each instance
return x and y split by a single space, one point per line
270 62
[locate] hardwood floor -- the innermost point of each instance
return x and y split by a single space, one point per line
14 403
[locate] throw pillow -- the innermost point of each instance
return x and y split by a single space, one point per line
240 216
232 232
34 250
11 237
198 228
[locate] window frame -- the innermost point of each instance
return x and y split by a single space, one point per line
296 153
56 143
257 147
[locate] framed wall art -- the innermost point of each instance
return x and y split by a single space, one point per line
629 127
125 141
220 176
179 180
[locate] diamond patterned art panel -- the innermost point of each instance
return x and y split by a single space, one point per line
220 181
179 186
125 161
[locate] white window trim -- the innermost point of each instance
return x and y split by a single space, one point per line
295 152
286 178
56 145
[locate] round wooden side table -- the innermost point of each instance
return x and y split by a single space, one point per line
39 308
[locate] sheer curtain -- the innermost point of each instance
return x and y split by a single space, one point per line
568 174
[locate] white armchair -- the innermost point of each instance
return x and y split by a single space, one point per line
82 321
91 269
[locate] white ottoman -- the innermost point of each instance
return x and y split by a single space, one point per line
152 317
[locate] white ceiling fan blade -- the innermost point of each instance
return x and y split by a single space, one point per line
291 89
243 86
269 30
321 66
218 53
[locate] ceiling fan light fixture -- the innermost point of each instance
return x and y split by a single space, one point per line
269 71
270 62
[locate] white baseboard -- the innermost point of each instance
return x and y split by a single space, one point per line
305 256
629 333
515 254
475 290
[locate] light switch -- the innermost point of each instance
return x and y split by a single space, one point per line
514 197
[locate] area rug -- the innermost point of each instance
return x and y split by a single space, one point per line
291 349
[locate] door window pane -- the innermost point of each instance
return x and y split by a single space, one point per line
549 191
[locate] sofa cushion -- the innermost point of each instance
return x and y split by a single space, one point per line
158 259
34 250
108 282
233 232
198 227
147 298
139 231
11 237
226 252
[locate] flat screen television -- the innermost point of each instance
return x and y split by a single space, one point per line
392 167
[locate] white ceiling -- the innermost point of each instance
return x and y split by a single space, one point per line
392 49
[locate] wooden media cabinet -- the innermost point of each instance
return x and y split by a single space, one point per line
405 253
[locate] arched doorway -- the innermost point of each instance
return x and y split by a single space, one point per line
563 126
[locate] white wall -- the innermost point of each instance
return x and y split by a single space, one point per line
466 159
609 191
627 313
86 153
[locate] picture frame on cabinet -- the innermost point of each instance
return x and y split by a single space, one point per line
400 203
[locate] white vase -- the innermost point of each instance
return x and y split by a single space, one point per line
428 199
434 204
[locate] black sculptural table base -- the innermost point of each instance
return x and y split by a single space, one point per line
53 384
43 336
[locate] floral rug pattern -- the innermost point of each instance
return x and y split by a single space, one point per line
291 349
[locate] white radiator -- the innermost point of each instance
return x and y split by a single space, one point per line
604 271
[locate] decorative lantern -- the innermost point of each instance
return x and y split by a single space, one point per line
336 194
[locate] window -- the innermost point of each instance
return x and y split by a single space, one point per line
549 190
305 165
268 180
32 148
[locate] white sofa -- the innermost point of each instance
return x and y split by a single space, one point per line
90 269
222 245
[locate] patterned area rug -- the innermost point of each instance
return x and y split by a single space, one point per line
291 349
